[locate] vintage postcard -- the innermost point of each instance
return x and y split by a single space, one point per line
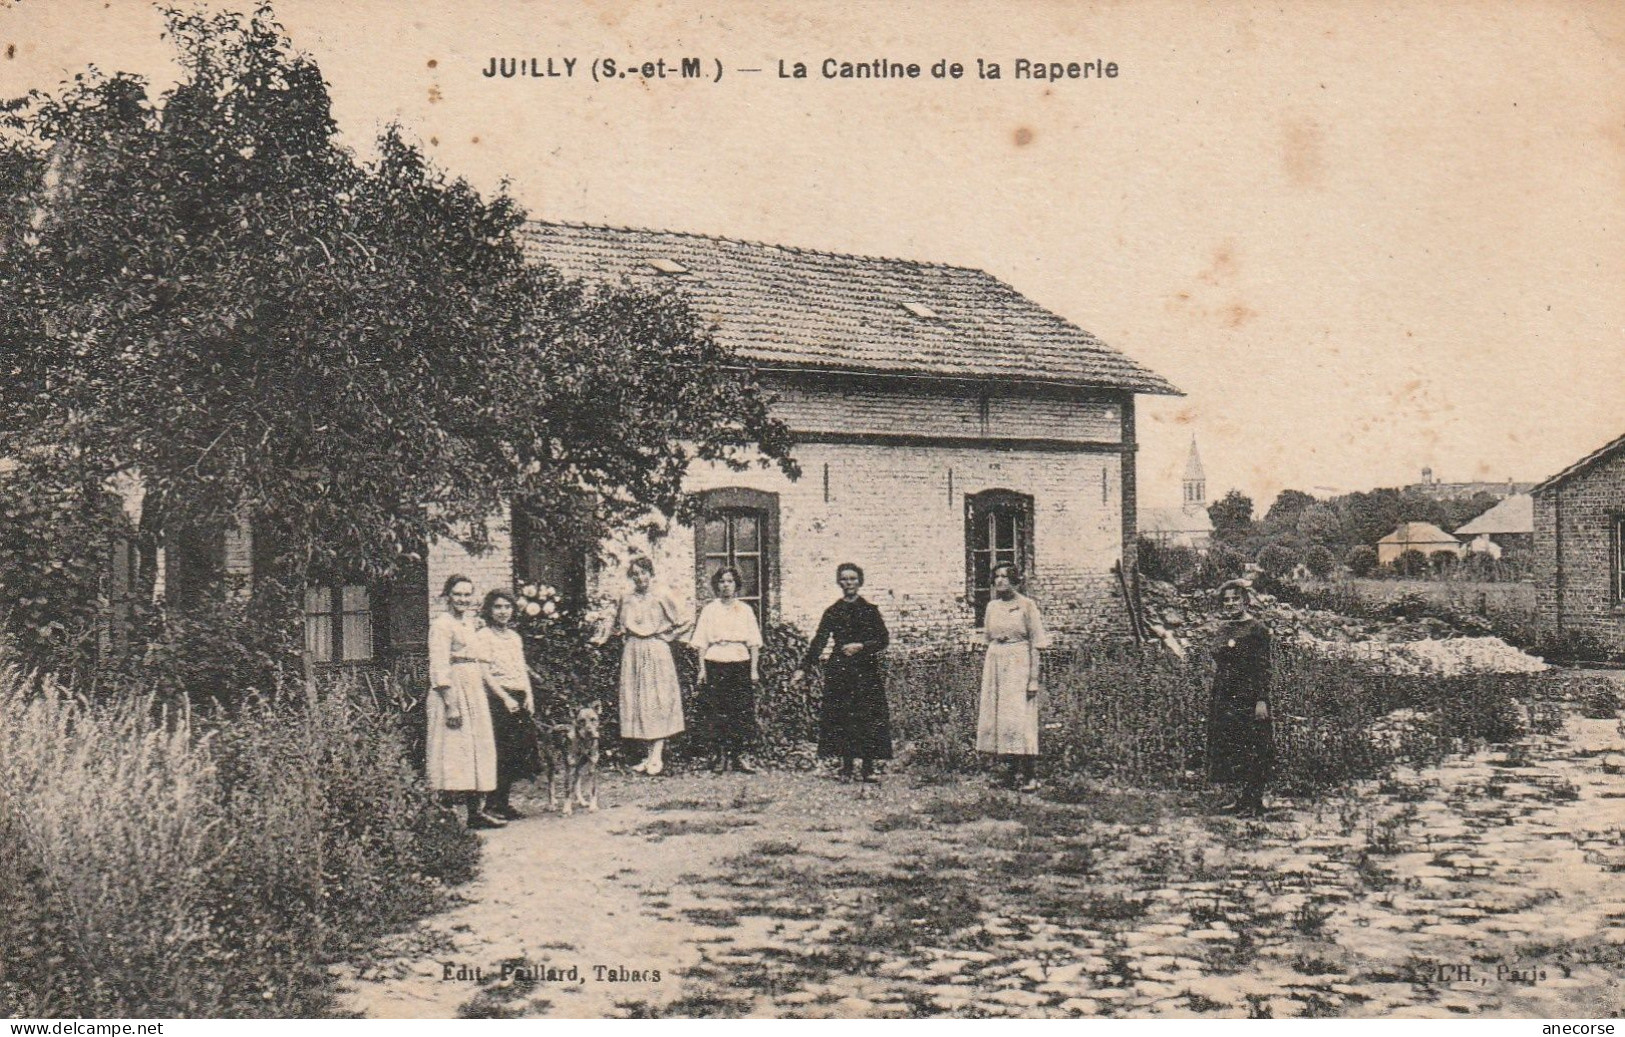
615 509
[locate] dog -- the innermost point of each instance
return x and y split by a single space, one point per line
572 748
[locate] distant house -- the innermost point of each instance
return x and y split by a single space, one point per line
1506 528
943 423
1416 536
1580 547
1187 525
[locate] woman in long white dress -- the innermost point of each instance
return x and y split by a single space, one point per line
651 697
461 758
1007 723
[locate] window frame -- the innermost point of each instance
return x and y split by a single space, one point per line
1616 559
376 611
733 502
982 511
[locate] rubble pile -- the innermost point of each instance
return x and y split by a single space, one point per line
1424 645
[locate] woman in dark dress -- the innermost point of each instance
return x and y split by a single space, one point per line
1240 745
854 722
509 698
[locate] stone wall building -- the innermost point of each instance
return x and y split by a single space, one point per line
1580 548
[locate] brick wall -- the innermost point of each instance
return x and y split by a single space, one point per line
1574 553
884 408
490 570
899 511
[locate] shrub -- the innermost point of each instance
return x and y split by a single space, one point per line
158 863
1361 559
1320 561
1219 564
1171 563
1411 563
1277 560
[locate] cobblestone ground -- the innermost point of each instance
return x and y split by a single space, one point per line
1494 885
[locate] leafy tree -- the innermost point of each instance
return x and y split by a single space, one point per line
207 290
1232 517
1321 523
1288 507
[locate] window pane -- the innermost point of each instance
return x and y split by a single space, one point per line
750 570
319 638
356 599
714 536
357 637
712 566
318 600
746 533
1005 530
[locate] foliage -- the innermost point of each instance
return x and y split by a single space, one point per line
1412 563
1320 561
1328 714
1361 559
1219 564
1288 508
1232 517
1277 559
54 550
156 863
1171 562
206 289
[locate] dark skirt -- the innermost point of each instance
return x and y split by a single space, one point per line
1241 748
854 721
730 701
518 747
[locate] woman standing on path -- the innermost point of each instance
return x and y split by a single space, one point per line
651 697
508 696
729 641
1007 723
854 722
1240 744
461 760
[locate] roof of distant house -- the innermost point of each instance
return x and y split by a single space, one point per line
1174 520
779 305
1418 533
1516 514
1601 453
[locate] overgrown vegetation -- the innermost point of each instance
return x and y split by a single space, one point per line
1141 717
216 307
156 862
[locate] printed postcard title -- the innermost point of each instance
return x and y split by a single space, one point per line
688 68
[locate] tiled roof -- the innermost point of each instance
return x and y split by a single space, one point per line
779 305
1418 533
1607 450
1516 514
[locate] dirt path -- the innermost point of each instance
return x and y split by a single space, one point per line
1494 885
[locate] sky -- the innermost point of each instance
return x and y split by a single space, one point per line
1363 238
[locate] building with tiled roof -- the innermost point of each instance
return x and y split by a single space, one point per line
1416 536
943 421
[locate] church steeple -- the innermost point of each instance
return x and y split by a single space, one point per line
1195 479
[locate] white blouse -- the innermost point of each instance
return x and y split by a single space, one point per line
727 632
